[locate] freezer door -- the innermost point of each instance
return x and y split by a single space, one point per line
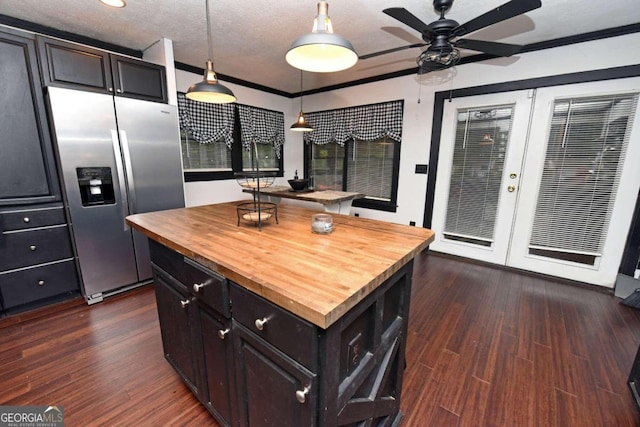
150 138
86 137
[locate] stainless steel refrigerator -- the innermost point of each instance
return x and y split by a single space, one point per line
118 156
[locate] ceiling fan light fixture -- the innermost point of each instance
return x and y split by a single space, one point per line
114 3
321 51
440 58
209 89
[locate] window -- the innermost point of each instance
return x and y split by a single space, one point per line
197 157
357 150
216 139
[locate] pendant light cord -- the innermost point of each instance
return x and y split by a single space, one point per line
209 45
301 91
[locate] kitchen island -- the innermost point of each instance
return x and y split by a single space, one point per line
280 326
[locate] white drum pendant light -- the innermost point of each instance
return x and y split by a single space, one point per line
321 51
209 90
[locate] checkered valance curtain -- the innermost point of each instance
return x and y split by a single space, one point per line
207 122
262 127
365 122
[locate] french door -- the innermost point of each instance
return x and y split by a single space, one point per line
544 180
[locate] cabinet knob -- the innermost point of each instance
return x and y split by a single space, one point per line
119 90
301 395
110 89
224 333
260 323
198 286
26 219
32 248
184 303
40 282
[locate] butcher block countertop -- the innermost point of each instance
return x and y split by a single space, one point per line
317 277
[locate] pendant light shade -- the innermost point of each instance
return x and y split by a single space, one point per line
301 124
209 89
321 51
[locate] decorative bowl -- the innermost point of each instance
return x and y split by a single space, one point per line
298 184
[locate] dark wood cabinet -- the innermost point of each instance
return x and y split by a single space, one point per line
174 312
253 363
194 310
36 257
76 66
27 169
273 389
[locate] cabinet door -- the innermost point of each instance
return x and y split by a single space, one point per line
174 307
138 79
273 389
27 169
74 66
217 348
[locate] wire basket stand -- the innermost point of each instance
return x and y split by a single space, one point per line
257 211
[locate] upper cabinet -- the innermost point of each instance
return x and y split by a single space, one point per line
80 67
27 169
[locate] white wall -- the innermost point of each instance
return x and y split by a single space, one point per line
601 54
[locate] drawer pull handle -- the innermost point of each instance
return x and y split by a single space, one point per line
26 219
32 247
301 395
184 303
224 333
40 282
198 286
260 323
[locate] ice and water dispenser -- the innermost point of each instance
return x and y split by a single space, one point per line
96 186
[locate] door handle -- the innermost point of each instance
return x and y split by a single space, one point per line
511 188
120 171
128 171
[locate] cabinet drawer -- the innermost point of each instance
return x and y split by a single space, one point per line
294 336
23 248
32 284
215 289
19 220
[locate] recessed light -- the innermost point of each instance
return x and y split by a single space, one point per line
114 3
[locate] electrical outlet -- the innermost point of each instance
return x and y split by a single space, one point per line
412 223
354 352
356 214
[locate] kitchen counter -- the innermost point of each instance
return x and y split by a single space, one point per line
317 277
332 201
280 326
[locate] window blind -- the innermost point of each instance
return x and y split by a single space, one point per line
586 146
369 168
480 146
327 162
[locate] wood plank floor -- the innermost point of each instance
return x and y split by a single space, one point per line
486 347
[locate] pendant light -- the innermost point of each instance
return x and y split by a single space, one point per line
301 125
321 51
210 90
114 3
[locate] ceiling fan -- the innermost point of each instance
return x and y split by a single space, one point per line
442 35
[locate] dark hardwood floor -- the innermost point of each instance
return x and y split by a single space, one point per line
486 347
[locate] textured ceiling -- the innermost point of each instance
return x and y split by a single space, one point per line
250 38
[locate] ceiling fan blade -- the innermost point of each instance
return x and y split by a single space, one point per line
407 18
500 13
492 48
395 49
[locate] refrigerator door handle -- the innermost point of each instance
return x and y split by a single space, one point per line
121 183
129 171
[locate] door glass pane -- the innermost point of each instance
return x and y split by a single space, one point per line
480 147
587 142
